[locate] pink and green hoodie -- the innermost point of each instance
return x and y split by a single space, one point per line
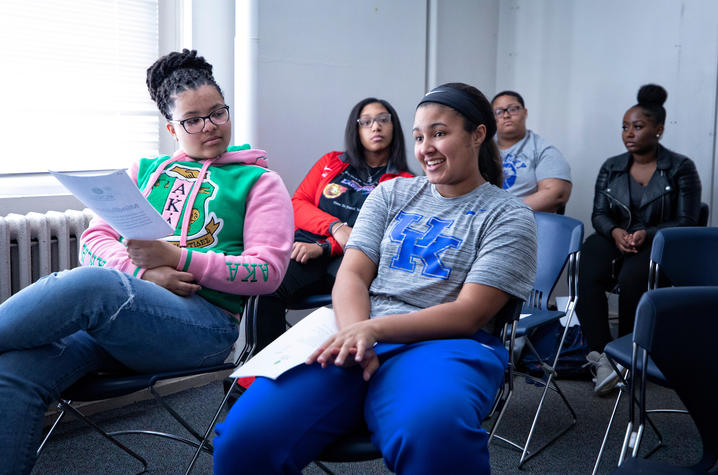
236 237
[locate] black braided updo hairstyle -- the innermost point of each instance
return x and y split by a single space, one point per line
651 98
177 72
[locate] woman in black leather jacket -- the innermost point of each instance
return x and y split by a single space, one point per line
637 193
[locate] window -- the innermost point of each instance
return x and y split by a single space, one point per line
73 84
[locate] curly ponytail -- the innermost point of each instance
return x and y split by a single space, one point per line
177 72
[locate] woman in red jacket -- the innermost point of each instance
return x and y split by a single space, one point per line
328 201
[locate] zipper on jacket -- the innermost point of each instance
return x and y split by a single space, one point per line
628 211
663 198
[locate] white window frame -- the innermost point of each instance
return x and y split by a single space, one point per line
182 24
18 191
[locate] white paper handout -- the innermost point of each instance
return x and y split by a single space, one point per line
293 347
116 199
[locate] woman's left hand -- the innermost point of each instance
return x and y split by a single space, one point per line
349 346
303 252
151 254
637 239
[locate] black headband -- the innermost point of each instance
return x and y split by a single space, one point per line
456 99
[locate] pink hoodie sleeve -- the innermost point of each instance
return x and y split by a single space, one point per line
100 244
268 237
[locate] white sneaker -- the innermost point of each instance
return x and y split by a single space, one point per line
605 377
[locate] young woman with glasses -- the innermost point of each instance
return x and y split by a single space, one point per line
429 263
638 192
327 202
534 170
151 305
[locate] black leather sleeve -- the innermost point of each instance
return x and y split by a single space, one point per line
688 202
602 215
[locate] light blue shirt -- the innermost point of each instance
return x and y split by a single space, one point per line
427 246
529 161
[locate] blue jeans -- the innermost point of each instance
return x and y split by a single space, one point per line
424 407
74 322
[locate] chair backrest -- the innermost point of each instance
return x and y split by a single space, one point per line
685 256
559 241
508 314
311 301
676 326
703 214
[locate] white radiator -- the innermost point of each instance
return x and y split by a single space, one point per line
36 244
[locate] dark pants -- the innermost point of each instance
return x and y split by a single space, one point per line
595 279
314 277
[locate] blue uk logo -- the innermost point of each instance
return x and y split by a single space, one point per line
426 246
511 170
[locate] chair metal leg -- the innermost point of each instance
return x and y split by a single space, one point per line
525 455
550 383
67 407
323 467
631 440
193 443
495 426
212 423
608 429
52 429
174 414
201 443
164 435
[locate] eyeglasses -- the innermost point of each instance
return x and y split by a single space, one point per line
195 125
512 110
367 122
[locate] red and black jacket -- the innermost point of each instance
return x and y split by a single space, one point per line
305 201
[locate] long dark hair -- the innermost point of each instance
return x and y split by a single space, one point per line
177 72
490 165
354 150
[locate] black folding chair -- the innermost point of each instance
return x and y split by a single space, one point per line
559 243
107 385
673 327
684 256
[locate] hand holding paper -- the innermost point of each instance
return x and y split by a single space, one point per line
352 345
116 199
293 347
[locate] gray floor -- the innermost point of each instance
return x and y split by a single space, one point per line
77 450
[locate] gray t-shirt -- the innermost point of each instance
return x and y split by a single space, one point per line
529 161
426 246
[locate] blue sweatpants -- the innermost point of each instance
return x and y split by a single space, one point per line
424 407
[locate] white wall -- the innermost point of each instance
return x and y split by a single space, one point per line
317 58
579 66
213 37
463 41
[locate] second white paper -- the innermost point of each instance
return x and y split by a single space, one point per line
293 347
